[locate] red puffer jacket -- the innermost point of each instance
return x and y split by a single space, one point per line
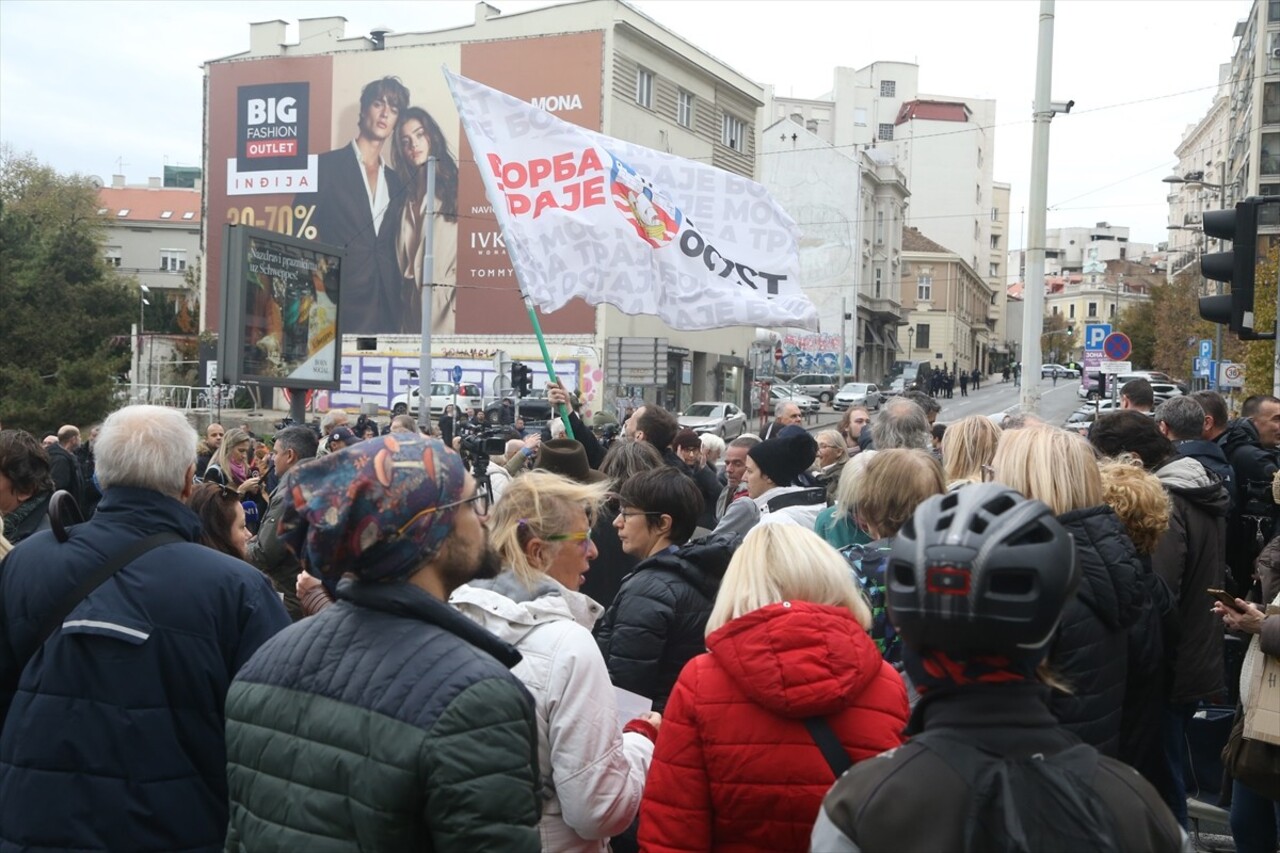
735 767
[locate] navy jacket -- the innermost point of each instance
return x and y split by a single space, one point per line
1210 455
111 733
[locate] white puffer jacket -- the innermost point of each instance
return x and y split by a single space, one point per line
592 774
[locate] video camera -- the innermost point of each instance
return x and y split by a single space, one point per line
483 443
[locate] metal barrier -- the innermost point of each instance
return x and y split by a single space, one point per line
188 397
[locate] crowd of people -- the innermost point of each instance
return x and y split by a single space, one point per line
380 639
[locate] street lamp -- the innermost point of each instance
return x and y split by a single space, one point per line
143 290
911 341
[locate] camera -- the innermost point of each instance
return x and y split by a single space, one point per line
483 443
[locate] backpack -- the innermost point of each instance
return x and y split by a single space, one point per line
1040 803
867 564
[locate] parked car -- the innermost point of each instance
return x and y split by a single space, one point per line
723 419
1064 372
785 393
1161 385
857 394
534 409
820 385
464 395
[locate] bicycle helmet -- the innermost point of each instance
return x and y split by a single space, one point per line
980 570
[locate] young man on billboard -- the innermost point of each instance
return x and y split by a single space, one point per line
357 207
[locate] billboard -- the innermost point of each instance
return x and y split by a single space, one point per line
280 316
333 148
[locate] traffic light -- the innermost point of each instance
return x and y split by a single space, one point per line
521 378
515 375
1235 267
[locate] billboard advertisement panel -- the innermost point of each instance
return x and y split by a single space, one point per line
280 317
332 148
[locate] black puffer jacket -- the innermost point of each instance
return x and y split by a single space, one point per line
1190 559
1251 522
1092 652
658 621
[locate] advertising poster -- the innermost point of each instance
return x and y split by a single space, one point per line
332 148
282 310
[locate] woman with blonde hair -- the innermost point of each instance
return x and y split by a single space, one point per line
737 766
968 446
231 465
1139 500
592 770
893 483
1108 647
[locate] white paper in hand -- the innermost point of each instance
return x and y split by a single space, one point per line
630 706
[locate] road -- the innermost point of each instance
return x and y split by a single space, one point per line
1056 403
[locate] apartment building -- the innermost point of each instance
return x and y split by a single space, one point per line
950 308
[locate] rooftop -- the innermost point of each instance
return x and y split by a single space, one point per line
933 111
914 241
150 204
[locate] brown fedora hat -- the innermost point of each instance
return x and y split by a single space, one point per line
568 458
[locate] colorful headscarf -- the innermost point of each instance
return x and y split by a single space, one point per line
371 508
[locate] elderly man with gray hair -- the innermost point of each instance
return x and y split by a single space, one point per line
332 419
132 618
901 424
1182 420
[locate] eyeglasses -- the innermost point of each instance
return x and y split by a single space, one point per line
440 508
583 538
632 513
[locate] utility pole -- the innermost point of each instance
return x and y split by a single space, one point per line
1033 291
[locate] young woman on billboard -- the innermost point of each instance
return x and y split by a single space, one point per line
417 137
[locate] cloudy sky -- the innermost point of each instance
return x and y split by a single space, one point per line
107 87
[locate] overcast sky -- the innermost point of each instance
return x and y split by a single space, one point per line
87 86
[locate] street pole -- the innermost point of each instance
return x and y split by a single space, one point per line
428 296
840 368
1033 290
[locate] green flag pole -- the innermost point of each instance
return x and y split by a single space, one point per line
546 360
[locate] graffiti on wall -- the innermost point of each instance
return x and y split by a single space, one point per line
816 353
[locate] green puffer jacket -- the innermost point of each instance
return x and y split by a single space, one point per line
387 722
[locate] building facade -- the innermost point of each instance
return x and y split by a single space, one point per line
152 231
598 63
849 205
950 308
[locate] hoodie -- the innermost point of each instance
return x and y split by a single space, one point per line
1191 557
736 768
591 774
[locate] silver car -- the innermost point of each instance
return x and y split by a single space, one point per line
820 385
857 394
723 419
787 394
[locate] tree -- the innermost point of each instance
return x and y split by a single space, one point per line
64 311
1138 322
1259 357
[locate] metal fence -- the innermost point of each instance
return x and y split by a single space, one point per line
192 397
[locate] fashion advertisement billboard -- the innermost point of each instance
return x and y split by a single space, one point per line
280 316
333 148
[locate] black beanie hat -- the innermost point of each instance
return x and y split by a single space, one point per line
786 457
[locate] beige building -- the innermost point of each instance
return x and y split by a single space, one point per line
1100 294
152 231
950 308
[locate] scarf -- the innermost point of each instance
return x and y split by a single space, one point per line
238 472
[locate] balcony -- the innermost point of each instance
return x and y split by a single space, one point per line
882 309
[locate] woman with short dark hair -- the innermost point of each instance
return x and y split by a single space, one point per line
222 523
657 621
25 484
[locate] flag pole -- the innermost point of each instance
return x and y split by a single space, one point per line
546 360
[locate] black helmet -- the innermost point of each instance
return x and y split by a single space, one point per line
980 570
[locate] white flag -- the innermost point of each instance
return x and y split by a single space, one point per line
587 215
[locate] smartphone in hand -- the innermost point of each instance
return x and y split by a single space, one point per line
1226 598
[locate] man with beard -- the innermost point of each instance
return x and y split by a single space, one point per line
388 721
357 207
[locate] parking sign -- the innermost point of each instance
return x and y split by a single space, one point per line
1206 349
1095 334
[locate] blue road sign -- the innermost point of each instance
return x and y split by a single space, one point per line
457 373
1206 349
1094 335
1117 346
1201 367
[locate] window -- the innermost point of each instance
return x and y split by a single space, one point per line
1093 310
167 214
1071 311
644 88
995 241
173 260
859 117
879 282
1055 310
924 288
1112 312
1271 103
189 215
993 271
879 227
733 133
922 336
1273 11
977 194
888 89
1270 154
684 109
122 212
995 214
102 211
111 255
885 133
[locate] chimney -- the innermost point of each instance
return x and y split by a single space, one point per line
484 12
378 35
117 181
154 183
266 38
